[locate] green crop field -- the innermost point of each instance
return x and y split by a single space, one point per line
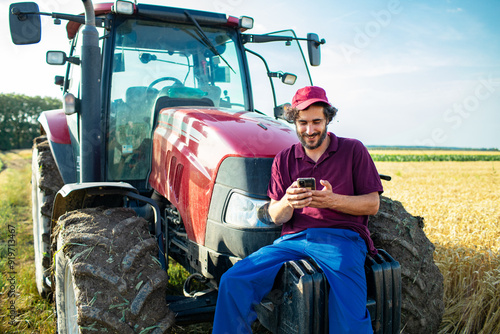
434 155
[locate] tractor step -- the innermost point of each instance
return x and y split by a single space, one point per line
197 309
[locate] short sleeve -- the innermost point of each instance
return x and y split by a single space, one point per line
365 175
276 189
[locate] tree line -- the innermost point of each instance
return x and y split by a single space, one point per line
18 119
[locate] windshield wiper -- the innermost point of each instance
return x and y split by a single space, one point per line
208 43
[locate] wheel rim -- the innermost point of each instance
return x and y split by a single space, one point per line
37 232
70 303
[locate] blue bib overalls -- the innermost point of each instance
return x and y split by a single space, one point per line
340 254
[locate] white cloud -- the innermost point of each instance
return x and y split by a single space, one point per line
455 10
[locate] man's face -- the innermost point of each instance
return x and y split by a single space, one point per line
311 127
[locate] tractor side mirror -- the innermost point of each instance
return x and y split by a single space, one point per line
313 44
286 78
25 24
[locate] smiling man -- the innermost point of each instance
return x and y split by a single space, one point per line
329 225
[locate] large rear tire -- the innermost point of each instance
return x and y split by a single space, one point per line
46 182
108 278
402 235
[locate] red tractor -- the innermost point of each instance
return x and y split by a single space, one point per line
160 152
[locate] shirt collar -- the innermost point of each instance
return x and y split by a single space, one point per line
300 153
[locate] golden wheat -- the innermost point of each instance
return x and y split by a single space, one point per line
433 152
460 204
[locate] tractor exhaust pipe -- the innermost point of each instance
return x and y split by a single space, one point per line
92 130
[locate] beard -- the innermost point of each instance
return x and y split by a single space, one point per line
321 138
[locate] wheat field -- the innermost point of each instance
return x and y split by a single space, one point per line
460 204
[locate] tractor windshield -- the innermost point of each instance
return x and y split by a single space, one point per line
176 64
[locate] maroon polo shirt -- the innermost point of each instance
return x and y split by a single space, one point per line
349 168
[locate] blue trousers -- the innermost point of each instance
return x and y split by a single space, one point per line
339 253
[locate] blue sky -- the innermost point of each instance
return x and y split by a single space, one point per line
400 72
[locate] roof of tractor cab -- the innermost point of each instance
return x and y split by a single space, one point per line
162 13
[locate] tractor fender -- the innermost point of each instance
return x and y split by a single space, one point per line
90 194
55 126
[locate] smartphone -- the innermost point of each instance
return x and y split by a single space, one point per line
307 182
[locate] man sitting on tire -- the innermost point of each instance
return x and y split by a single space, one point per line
329 225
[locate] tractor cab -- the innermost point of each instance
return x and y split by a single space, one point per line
157 57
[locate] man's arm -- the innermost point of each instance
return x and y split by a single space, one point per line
359 205
295 198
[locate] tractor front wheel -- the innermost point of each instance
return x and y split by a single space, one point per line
108 278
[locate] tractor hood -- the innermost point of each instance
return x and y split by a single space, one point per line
246 134
206 136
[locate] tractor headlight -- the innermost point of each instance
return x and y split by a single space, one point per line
246 22
124 7
244 211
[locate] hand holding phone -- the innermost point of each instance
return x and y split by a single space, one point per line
307 182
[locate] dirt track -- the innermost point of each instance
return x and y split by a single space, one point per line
16 159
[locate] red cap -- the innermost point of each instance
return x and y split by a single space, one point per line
307 96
